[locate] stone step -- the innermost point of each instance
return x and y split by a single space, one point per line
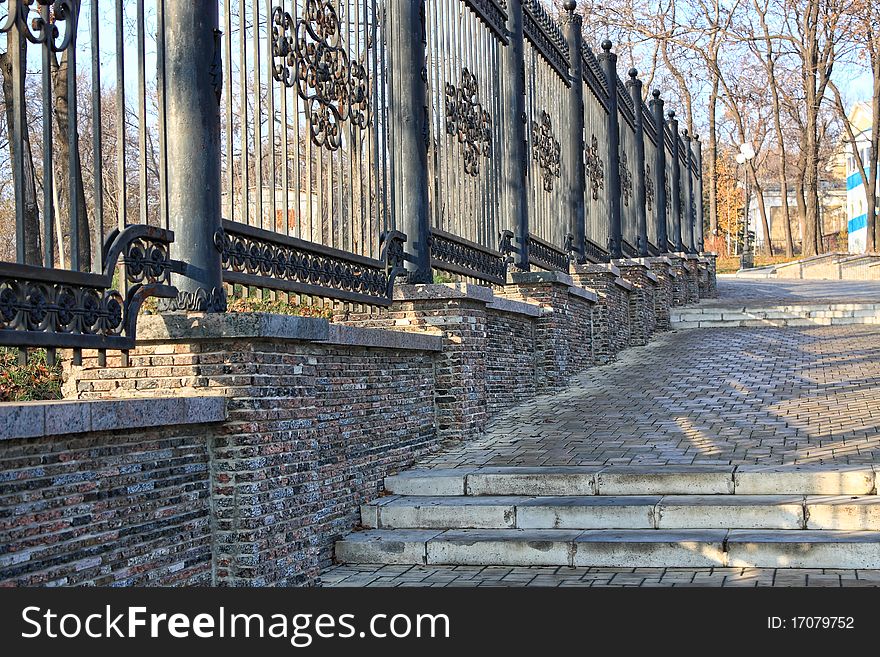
793 512
636 480
633 548
827 314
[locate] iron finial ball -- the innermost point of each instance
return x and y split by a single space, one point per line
606 45
570 5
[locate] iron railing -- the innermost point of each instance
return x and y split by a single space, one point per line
320 149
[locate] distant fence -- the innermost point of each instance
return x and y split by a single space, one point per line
321 149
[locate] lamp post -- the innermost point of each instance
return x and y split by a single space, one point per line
746 153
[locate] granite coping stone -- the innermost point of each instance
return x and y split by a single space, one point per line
204 326
583 293
501 304
534 277
443 291
597 268
626 285
53 418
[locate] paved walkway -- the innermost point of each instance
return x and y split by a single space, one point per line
471 576
737 292
708 396
717 396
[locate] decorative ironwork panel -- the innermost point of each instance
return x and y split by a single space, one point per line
460 256
595 253
465 109
595 168
626 179
546 150
544 34
261 258
468 122
309 54
649 188
628 249
493 13
545 255
59 308
595 77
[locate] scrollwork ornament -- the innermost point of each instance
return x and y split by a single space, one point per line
649 188
309 55
468 122
626 181
546 150
595 168
39 21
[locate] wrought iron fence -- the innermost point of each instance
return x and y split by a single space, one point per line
321 149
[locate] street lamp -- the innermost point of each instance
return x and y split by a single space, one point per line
746 153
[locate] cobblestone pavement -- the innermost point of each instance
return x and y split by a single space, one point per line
738 292
438 576
711 396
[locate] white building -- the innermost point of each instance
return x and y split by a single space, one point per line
856 198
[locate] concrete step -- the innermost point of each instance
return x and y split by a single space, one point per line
793 512
636 480
805 314
632 548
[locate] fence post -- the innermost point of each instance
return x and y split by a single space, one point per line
573 23
698 195
675 183
688 194
660 171
409 127
516 206
634 86
608 61
193 84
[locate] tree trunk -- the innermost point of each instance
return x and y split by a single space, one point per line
713 160
62 162
32 242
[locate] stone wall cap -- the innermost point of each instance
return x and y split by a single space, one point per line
583 293
54 418
626 285
504 305
357 336
659 260
652 276
443 291
269 326
196 326
526 277
597 268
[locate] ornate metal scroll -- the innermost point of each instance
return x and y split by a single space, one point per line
460 256
261 258
626 180
468 122
546 150
41 307
309 54
668 195
595 168
51 13
649 187
545 255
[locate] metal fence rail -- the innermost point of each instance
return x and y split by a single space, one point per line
318 149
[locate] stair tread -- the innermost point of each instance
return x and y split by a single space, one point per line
620 500
621 535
